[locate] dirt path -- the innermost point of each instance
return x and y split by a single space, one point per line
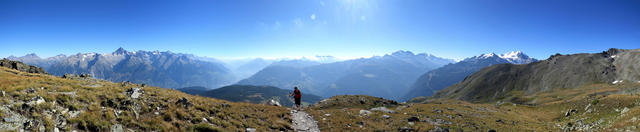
303 122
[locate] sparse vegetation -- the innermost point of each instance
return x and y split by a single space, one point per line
96 105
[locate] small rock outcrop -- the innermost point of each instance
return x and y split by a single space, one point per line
274 103
365 112
17 65
135 93
383 109
184 102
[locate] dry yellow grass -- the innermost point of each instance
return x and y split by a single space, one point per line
100 99
543 112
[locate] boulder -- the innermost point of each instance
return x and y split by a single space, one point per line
85 75
35 101
31 90
134 93
625 110
383 109
386 116
406 129
250 130
184 102
413 119
365 112
117 128
569 112
273 102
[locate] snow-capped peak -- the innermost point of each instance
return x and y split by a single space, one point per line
512 55
515 57
484 56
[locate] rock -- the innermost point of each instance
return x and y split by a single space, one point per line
17 65
3 93
273 103
365 112
184 102
250 130
12 119
437 111
363 100
413 119
587 108
383 109
56 130
69 76
85 75
74 114
225 105
569 112
625 110
439 129
406 129
31 90
134 93
117 128
386 116
35 101
327 115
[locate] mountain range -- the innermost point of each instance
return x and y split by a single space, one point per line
387 76
509 82
447 75
164 69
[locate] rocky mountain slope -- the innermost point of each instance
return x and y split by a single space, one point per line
509 81
41 102
252 94
164 69
447 75
386 76
17 65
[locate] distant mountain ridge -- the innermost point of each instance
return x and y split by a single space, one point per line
508 81
164 69
445 76
387 76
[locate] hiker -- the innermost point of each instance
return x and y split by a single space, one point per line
297 96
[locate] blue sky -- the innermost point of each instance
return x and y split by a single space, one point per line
274 28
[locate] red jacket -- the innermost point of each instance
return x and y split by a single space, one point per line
297 94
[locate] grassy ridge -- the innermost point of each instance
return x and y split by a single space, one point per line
597 107
102 105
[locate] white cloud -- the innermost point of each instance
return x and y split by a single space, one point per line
313 16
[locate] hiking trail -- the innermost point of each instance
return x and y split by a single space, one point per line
303 122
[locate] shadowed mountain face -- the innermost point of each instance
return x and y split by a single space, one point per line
509 81
164 69
386 76
252 94
448 75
